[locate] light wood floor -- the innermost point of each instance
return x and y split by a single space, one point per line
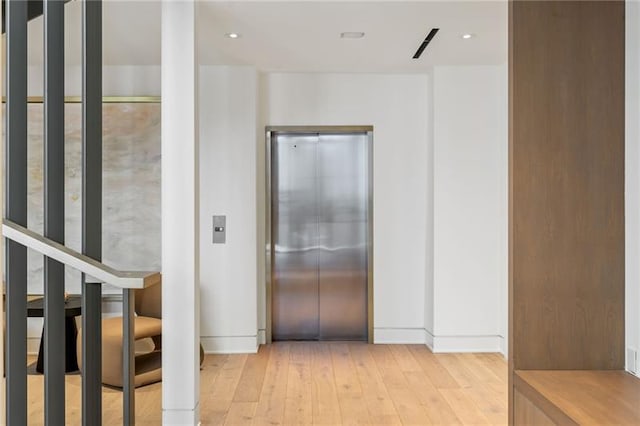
301 383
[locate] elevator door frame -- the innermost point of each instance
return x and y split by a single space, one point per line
318 130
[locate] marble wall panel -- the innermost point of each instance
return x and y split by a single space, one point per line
131 188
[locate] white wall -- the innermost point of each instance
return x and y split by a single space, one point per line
261 169
430 186
407 125
228 286
396 105
470 208
632 184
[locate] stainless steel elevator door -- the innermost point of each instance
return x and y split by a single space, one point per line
319 236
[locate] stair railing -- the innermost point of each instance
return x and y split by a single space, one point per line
51 244
99 273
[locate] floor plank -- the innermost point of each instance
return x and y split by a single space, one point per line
222 390
458 370
326 408
298 406
404 399
346 378
464 407
270 408
329 383
240 413
438 409
252 378
438 375
496 363
380 407
405 358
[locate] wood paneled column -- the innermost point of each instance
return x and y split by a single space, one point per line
566 167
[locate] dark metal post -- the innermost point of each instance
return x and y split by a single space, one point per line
92 208
91 353
128 361
54 327
16 211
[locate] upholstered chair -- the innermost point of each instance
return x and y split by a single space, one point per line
147 325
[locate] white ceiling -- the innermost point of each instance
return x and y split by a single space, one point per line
131 33
303 35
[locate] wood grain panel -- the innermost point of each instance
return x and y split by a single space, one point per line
567 184
538 399
584 397
527 414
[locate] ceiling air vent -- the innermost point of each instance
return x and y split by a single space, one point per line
426 42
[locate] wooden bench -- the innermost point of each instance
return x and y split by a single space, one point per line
576 398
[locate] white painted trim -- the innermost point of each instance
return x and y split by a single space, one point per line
181 417
230 344
428 339
631 364
262 337
33 345
442 344
398 335
458 344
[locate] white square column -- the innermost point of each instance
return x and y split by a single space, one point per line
180 211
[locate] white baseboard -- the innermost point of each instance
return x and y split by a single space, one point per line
453 344
437 344
428 339
504 347
33 345
632 361
399 335
177 417
230 344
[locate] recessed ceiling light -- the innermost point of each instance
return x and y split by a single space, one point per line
232 35
467 36
352 34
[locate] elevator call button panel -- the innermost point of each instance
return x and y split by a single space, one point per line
219 229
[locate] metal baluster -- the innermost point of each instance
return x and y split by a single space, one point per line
54 313
128 361
92 208
16 211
